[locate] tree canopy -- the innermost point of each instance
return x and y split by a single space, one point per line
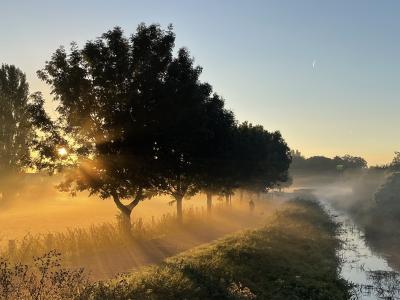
263 158
140 122
23 124
108 97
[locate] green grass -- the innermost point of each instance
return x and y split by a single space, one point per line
292 257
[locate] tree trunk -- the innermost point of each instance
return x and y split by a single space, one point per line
209 202
179 211
241 196
125 221
227 199
125 214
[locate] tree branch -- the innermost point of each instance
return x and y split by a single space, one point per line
137 199
123 208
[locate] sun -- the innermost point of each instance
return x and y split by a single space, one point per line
62 152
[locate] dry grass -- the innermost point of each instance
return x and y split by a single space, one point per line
292 257
45 278
107 249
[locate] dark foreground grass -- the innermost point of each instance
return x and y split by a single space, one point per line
292 257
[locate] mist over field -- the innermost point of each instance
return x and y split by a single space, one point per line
207 150
40 208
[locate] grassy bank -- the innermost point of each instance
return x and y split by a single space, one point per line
380 219
105 250
292 257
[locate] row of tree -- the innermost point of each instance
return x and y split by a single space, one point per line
133 121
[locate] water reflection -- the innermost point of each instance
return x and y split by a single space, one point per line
370 273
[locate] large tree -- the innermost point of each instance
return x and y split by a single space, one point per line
137 116
23 123
107 95
217 171
194 121
263 158
220 175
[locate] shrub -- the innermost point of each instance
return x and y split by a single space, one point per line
44 279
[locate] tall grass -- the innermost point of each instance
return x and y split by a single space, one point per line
78 243
292 257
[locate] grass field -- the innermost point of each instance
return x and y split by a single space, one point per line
105 250
292 257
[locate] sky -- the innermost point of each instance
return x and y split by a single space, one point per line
324 73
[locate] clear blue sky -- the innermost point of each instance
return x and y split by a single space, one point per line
258 55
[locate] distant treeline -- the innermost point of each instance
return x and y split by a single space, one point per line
318 164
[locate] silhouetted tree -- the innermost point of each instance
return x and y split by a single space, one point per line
218 173
21 118
140 122
395 164
140 119
191 138
109 95
298 160
263 158
252 159
350 162
321 164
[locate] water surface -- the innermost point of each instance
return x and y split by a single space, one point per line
370 273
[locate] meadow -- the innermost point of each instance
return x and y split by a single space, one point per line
105 249
292 256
